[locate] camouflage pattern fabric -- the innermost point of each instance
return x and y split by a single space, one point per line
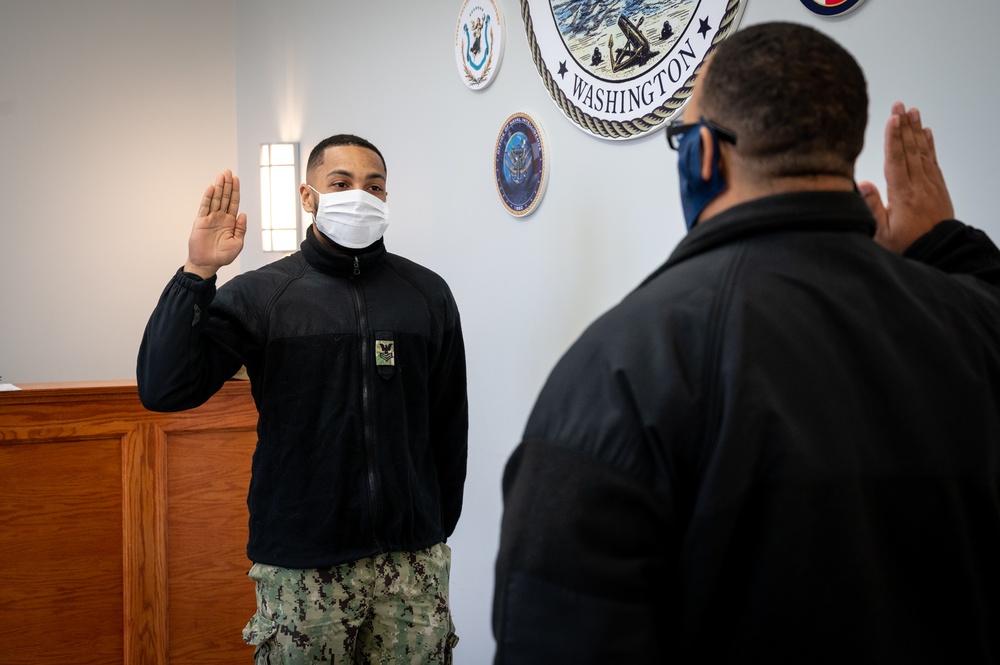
389 608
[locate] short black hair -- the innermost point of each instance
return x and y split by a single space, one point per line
317 154
796 100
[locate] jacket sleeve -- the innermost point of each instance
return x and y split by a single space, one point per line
581 574
449 417
589 523
957 248
180 365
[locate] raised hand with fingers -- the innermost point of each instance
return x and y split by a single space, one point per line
917 198
217 236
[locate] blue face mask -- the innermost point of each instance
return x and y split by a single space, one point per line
695 192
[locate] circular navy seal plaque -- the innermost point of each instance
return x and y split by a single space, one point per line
831 7
520 164
622 68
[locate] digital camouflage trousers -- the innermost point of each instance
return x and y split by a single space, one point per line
389 608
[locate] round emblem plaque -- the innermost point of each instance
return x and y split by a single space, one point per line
621 69
831 7
479 41
520 164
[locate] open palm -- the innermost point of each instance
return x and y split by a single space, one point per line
219 229
916 194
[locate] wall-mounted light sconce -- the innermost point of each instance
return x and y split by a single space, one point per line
279 196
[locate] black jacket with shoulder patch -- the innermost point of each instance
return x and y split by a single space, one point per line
357 367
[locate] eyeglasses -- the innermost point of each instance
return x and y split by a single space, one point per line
677 129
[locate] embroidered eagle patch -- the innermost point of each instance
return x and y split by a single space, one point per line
385 353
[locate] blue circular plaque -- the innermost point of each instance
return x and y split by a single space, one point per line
520 164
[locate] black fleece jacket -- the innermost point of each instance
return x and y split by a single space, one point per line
357 368
783 447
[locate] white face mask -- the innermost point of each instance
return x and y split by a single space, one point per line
352 218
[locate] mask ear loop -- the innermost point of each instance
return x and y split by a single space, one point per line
716 159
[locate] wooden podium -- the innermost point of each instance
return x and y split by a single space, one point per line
123 532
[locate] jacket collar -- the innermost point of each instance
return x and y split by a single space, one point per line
338 263
798 211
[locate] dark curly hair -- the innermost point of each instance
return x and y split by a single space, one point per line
796 100
316 156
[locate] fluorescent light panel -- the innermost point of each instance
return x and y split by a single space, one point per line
279 200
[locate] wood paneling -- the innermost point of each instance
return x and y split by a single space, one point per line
203 469
61 552
123 532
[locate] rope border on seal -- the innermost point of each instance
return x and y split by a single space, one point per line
621 128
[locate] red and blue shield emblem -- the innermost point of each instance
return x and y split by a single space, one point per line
831 7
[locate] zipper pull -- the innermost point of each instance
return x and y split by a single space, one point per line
357 266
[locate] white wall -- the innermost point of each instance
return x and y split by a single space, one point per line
114 115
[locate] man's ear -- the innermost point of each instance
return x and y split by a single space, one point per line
707 152
305 194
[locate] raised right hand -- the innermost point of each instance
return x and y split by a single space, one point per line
917 197
217 236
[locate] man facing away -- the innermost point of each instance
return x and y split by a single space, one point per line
357 367
784 446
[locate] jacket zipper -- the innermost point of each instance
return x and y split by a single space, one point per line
366 402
